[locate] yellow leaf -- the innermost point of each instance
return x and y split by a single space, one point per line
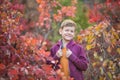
101 78
109 49
101 70
110 75
99 27
115 35
118 50
90 38
3 14
113 41
88 47
79 38
105 63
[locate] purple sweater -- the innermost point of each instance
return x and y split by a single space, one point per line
77 61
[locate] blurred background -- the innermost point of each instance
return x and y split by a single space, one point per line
28 29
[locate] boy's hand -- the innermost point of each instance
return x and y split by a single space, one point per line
69 52
59 53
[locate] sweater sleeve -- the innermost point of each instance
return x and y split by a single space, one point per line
53 53
80 61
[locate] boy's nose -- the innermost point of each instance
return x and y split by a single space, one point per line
69 32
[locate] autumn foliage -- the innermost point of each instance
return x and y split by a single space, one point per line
109 10
103 49
102 41
49 12
23 55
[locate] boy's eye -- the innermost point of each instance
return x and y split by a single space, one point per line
72 31
69 30
66 30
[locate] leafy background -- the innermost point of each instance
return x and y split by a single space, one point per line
29 28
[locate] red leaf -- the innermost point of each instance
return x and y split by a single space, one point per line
15 77
12 72
51 78
2 66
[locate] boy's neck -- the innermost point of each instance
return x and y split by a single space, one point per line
64 42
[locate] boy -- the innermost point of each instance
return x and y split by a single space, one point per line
69 54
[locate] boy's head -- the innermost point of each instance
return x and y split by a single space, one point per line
68 22
67 29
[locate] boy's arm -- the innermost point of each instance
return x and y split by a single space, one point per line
53 54
80 61
53 59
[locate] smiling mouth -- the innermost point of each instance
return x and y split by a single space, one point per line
68 35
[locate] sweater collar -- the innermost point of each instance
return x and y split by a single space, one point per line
70 43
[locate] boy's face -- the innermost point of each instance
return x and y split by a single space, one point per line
67 33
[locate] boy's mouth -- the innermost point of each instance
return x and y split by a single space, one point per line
68 35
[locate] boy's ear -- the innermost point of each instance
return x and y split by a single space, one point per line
60 31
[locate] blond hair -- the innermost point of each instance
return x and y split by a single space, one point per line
68 22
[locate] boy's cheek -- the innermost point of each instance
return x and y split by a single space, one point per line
60 31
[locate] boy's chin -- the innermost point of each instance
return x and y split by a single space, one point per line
68 39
